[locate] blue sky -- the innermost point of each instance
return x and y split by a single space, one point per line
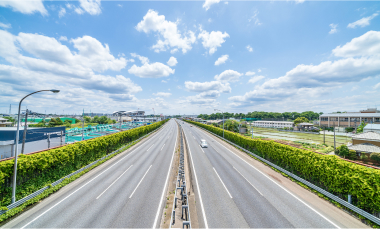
190 57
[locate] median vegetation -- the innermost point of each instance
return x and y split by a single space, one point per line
36 171
329 172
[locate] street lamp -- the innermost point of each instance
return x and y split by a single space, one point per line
16 143
223 119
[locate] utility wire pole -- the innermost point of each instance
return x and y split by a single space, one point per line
24 134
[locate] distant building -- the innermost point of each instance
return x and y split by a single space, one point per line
368 137
273 124
5 123
352 119
372 127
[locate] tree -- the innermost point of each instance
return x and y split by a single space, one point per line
361 127
375 157
103 119
95 119
344 151
58 122
87 119
300 120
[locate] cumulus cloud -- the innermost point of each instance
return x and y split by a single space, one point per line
169 37
208 86
365 21
249 48
377 86
61 12
228 75
90 6
333 28
249 73
26 7
208 3
213 40
172 61
255 79
162 94
361 60
221 60
5 26
63 38
154 70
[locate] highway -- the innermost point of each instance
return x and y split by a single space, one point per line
127 191
232 192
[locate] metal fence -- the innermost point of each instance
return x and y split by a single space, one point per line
324 192
31 196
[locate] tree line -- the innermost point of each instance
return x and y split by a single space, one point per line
263 115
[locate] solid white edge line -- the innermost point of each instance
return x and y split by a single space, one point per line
282 188
85 184
222 182
150 147
162 147
113 182
248 181
167 179
196 180
140 182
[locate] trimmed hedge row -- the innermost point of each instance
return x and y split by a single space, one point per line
39 170
327 171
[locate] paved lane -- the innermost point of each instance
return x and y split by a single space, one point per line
236 194
125 192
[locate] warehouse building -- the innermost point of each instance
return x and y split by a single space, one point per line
352 119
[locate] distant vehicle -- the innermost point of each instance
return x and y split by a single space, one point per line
203 143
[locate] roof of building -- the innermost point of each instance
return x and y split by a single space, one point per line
352 115
372 127
367 136
2 119
305 124
365 147
286 122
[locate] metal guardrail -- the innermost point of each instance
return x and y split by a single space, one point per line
36 193
185 211
324 192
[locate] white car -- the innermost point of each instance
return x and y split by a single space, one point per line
203 143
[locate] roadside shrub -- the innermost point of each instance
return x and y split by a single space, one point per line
375 157
352 155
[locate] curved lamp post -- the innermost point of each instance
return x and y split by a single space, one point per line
223 119
16 143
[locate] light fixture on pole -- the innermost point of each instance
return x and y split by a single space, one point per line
16 143
223 119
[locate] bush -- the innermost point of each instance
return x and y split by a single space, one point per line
375 157
352 155
343 151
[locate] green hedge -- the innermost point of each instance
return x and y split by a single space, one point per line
326 171
38 170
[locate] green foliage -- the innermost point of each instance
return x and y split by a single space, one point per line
41 169
343 151
375 157
327 171
361 127
352 155
263 115
300 120
349 129
87 119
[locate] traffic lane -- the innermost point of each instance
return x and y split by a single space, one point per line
143 208
102 173
220 209
295 211
257 211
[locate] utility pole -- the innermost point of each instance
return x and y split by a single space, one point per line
10 108
334 136
324 137
24 134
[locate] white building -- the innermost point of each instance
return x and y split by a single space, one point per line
273 124
372 128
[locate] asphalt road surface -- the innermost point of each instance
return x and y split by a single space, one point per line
233 193
125 192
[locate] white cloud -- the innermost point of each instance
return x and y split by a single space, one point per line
377 86
79 10
5 26
69 6
333 28
209 20
208 3
143 59
62 12
164 81
221 60
172 61
228 75
26 7
212 40
169 37
155 70
249 73
361 60
362 22
63 38
208 86
249 48
259 70
366 45
162 94
255 79
255 18
90 6
119 5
